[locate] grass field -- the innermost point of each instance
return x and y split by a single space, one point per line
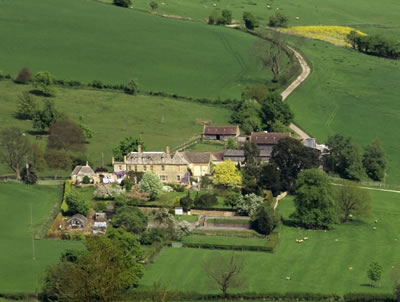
19 271
88 40
113 116
320 264
234 241
206 147
228 220
352 94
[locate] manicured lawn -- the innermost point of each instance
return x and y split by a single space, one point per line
234 241
228 221
206 147
352 94
113 116
320 264
19 271
188 218
87 40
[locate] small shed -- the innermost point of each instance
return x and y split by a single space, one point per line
77 221
101 216
99 227
178 211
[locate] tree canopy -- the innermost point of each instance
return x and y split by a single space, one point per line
227 175
151 184
67 135
374 160
76 204
45 81
127 145
130 218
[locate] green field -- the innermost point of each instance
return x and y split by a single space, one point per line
87 40
113 116
19 271
352 94
320 264
234 241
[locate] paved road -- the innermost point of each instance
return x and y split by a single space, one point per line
300 79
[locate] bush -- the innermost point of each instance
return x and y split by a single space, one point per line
122 3
205 200
86 180
45 81
107 191
29 176
131 219
186 202
265 219
153 5
151 184
97 84
99 170
100 206
127 184
154 235
77 204
24 76
369 297
249 20
132 87
278 20
67 189
232 199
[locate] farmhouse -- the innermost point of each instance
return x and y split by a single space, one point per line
171 168
266 141
80 172
220 132
198 163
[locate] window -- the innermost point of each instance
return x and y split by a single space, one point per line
120 168
162 168
144 168
164 178
178 178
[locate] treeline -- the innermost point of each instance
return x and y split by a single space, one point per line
374 45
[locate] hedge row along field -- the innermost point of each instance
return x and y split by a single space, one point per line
88 40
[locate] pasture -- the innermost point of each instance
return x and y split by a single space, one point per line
352 94
88 40
22 266
113 116
329 262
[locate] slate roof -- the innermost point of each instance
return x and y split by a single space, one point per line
155 158
83 171
262 138
217 156
198 157
234 153
220 130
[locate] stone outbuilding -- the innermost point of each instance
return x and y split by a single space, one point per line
220 132
80 172
77 221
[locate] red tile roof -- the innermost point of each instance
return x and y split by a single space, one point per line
262 138
221 130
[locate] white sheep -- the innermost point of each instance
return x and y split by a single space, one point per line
374 228
305 238
288 278
297 18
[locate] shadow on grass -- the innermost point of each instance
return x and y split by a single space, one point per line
38 133
38 92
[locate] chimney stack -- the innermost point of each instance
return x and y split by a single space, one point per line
168 151
124 158
139 147
87 163
112 160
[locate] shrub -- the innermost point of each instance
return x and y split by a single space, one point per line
122 3
278 20
100 206
151 184
205 200
186 202
24 76
97 84
132 87
127 184
29 176
67 189
232 199
107 191
26 107
99 170
154 235
131 219
249 20
77 204
45 81
86 180
249 204
153 5
265 219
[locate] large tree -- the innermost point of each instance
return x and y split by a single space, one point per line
129 144
58 159
314 202
292 157
26 106
77 204
344 157
265 219
274 111
45 81
130 218
247 115
352 200
43 119
14 149
374 160
102 273
227 272
67 135
270 179
227 175
252 169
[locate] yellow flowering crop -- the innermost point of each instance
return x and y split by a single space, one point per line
332 34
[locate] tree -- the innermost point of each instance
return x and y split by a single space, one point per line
273 110
205 200
227 272
45 117
220 17
352 200
76 204
249 204
107 191
374 160
28 175
24 76
58 159
45 81
344 157
227 16
128 242
130 218
249 20
252 169
248 115
122 3
186 202
278 20
258 92
374 272
314 202
126 146
153 5
231 144
232 199
151 184
227 175
265 219
14 149
269 52
132 87
292 157
66 135
102 273
270 179
26 106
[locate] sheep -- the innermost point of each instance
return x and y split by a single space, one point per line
376 221
215 4
297 18
374 228
350 268
288 278
305 238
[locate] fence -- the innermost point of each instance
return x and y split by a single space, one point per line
190 142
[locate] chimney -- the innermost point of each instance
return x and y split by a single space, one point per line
124 158
87 163
168 151
112 160
139 147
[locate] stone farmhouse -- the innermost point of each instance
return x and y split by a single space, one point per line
266 142
80 172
